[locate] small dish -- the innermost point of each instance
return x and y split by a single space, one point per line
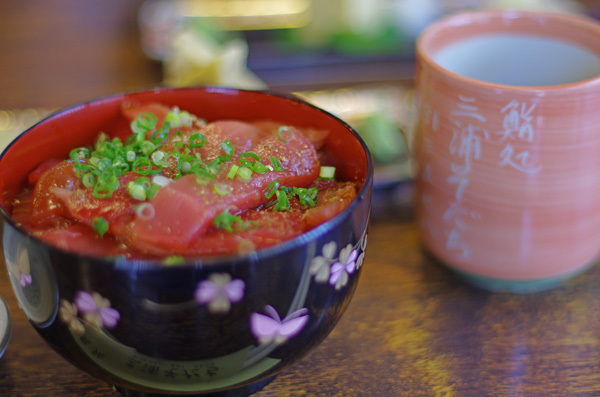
5 327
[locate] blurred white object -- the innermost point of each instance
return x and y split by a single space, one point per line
196 59
160 20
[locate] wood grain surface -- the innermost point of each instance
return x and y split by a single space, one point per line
413 327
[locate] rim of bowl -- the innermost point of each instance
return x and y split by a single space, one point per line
581 22
208 260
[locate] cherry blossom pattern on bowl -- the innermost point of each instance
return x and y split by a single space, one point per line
207 325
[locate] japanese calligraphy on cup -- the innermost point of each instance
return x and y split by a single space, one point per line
508 146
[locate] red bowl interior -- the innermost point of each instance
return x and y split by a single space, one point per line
79 125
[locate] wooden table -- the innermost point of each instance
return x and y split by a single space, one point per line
412 329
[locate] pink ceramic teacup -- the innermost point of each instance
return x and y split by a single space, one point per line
508 146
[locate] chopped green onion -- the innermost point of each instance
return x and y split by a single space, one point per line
143 166
222 189
173 118
130 156
256 166
227 221
202 172
186 118
197 140
105 186
142 189
245 159
202 180
136 191
327 172
143 123
89 180
100 225
276 163
214 167
173 260
307 197
79 153
272 189
145 211
157 157
81 169
245 173
233 171
285 134
152 190
160 134
147 147
228 149
185 167
259 168
181 148
161 180
283 203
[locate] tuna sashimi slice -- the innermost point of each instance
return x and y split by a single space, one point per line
185 209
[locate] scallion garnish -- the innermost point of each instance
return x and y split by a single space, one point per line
143 123
245 173
197 140
173 118
283 202
147 147
252 161
276 163
157 158
285 133
233 171
145 211
136 191
79 153
130 156
227 221
327 172
142 166
307 197
245 159
89 180
105 186
173 260
259 168
100 225
222 189
227 148
272 189
161 180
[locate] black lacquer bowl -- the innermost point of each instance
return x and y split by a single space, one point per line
211 325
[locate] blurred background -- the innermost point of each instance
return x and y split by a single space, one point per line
354 58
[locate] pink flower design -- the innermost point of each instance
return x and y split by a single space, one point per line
345 266
219 292
96 309
271 328
25 280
